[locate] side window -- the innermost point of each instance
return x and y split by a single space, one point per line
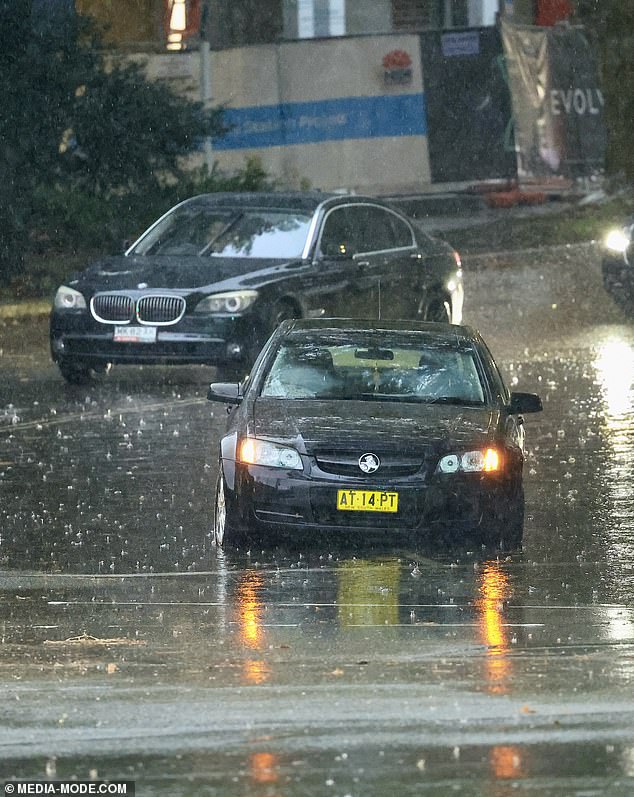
491 366
403 236
377 230
338 235
363 228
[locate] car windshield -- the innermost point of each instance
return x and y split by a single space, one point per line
200 231
404 370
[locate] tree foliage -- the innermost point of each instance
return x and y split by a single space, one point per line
73 120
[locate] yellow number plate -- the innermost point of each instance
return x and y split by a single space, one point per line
367 501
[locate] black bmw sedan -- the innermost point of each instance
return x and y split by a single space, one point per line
210 280
351 427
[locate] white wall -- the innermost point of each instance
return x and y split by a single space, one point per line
319 112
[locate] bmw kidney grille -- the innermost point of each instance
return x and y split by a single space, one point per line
157 308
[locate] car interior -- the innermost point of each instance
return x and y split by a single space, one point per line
341 373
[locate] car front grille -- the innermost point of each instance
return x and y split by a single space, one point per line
161 309
112 308
343 463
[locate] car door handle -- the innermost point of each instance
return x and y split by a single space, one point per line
362 264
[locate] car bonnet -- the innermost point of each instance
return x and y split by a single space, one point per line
313 423
178 273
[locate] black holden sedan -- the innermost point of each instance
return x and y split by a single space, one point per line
211 279
351 427
618 265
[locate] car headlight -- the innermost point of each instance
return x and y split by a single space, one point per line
231 302
69 299
485 461
618 241
271 455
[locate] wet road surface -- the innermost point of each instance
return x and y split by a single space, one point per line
131 648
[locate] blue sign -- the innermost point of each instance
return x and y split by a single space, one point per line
454 44
340 119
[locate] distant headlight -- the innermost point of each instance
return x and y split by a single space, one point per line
231 303
69 299
261 452
485 461
618 241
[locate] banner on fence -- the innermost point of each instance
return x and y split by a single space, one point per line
558 105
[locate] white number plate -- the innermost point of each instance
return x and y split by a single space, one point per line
129 334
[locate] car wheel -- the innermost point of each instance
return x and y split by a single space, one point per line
74 373
436 308
225 530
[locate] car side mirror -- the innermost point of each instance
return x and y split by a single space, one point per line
524 403
226 392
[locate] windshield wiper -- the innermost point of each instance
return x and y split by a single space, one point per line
456 400
385 397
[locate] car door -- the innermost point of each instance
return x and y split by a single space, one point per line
344 275
353 238
394 266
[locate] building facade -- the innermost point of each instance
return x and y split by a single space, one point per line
145 24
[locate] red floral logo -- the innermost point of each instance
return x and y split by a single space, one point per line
397 68
397 59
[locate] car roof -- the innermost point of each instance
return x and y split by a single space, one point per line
307 201
432 329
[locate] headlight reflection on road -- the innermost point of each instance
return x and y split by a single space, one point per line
264 768
250 608
615 371
614 366
506 762
494 590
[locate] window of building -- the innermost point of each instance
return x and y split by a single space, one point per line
415 14
429 14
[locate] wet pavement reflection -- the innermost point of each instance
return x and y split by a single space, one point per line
132 648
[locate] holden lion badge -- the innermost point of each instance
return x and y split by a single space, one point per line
369 463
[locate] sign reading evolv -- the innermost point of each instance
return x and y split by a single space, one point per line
558 105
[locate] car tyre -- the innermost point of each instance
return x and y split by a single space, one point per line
74 373
226 531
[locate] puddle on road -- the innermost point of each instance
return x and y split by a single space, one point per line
324 668
296 670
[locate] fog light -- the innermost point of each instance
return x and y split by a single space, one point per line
234 351
58 345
